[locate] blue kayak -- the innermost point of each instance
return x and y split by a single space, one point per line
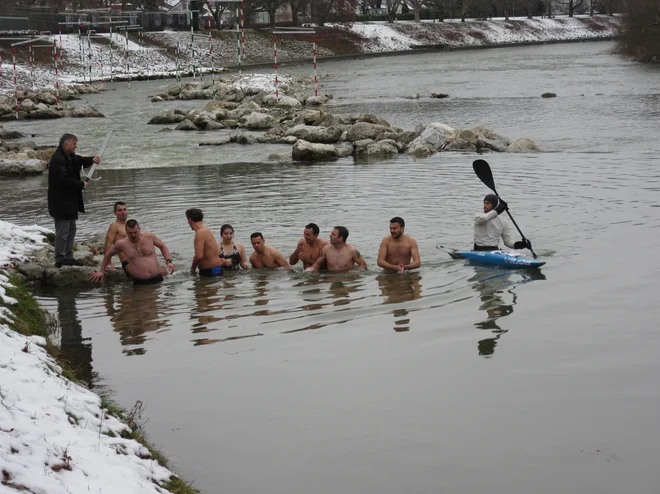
504 258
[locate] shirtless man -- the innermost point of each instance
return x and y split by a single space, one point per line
207 253
140 252
397 250
265 256
117 231
338 255
309 248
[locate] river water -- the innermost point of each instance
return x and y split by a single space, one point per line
452 379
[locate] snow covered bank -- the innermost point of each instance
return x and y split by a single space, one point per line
166 53
55 437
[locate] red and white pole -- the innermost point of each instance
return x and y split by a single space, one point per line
316 82
13 56
57 74
243 30
31 58
277 93
2 84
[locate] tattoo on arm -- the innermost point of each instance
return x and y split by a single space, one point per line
357 253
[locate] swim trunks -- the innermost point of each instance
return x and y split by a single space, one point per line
214 271
123 266
149 281
235 257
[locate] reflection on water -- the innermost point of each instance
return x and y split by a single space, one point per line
398 289
75 349
496 288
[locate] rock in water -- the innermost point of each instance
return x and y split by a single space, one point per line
308 151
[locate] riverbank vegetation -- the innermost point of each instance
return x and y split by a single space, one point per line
640 38
26 317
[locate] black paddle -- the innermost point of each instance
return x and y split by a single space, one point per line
482 169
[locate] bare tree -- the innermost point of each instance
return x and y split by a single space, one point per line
339 10
270 7
392 9
572 5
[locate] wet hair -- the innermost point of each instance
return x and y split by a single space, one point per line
66 138
118 203
224 227
194 214
492 199
343 232
256 234
399 220
314 227
131 224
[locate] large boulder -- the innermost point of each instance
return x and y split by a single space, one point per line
444 129
308 151
9 167
432 136
491 144
5 109
481 131
380 150
407 137
523 145
168 117
85 112
27 105
461 145
188 86
316 134
41 114
282 102
258 121
364 130
420 150
186 125
11 134
467 135
316 100
373 119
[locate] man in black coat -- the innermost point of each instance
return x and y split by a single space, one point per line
65 198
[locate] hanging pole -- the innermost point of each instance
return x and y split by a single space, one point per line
31 57
316 82
89 54
243 30
277 92
238 36
2 83
126 71
13 56
57 75
192 44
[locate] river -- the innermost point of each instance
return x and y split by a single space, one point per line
452 379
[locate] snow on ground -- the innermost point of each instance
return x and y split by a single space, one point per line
54 436
380 36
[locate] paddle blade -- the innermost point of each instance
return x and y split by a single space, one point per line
482 169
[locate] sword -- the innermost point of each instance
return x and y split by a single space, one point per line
100 153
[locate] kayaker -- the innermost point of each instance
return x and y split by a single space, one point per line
489 227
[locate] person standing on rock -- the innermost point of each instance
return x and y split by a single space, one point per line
489 228
207 254
309 247
140 250
65 198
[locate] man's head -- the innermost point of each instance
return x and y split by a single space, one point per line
195 215
69 143
258 242
397 226
311 233
490 201
121 211
339 235
133 231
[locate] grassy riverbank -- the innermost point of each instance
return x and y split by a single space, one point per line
21 313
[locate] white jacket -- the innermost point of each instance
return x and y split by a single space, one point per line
490 227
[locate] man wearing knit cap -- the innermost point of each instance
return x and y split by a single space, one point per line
489 227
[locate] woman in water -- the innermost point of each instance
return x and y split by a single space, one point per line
232 253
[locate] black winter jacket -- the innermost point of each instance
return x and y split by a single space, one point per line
65 187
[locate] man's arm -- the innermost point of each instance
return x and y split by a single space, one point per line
279 259
508 235
164 251
314 268
87 161
199 251
482 219
294 258
357 257
110 237
382 254
98 276
414 253
254 261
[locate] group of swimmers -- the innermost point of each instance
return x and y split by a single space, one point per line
398 252
137 250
